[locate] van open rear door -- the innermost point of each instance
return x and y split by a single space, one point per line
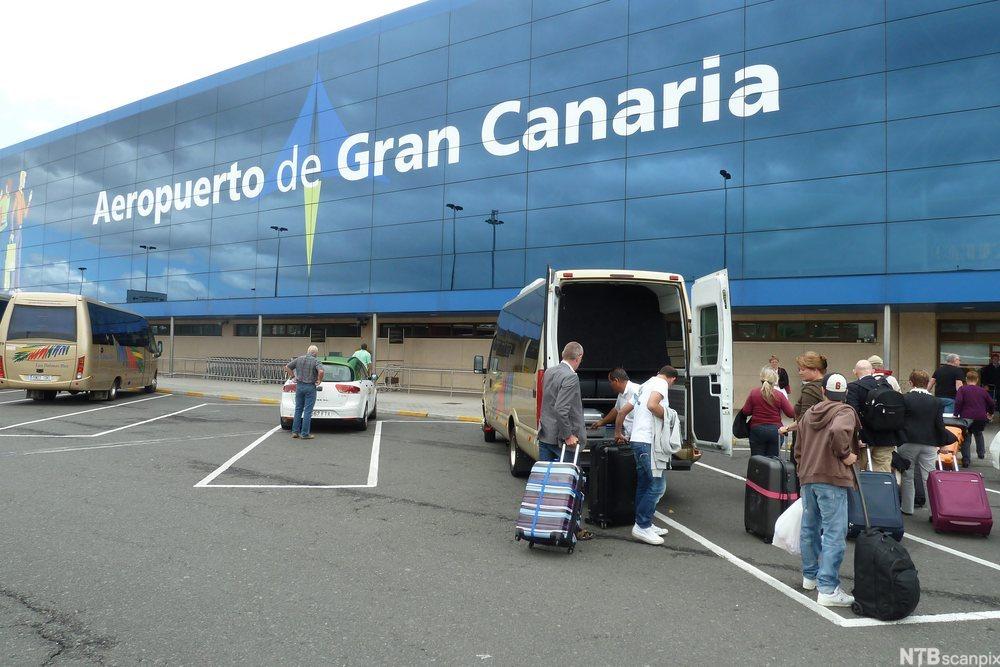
711 368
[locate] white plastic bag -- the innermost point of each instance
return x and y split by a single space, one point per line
995 451
788 528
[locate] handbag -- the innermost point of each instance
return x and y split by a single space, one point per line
741 425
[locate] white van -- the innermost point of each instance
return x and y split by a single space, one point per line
639 320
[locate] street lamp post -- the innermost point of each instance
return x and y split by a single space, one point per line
81 269
277 258
455 208
147 248
492 221
725 213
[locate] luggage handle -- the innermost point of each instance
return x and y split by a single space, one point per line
870 468
576 452
954 462
861 494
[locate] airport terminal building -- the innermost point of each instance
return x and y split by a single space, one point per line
840 159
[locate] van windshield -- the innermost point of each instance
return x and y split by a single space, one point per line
42 322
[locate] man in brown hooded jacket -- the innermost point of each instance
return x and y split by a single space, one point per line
825 451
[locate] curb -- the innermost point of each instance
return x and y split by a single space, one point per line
273 401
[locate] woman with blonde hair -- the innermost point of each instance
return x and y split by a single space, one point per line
764 407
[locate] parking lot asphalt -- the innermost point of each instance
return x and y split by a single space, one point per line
175 529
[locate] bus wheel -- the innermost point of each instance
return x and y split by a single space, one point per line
520 463
112 393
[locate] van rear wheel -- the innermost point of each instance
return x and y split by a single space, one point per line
520 463
150 388
112 393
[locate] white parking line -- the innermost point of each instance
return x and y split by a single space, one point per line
73 414
935 545
811 604
10 391
372 469
20 400
135 443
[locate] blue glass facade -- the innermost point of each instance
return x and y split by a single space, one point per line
862 137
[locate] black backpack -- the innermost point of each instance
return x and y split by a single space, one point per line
886 585
884 409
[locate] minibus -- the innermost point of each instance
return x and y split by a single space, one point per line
638 320
64 342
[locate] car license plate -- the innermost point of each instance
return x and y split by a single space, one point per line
321 414
41 378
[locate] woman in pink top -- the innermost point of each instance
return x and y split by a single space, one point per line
764 406
975 403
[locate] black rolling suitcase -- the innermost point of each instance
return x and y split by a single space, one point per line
886 585
882 494
771 488
611 485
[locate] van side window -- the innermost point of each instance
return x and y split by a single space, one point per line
708 337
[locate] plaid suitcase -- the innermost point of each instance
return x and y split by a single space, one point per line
550 509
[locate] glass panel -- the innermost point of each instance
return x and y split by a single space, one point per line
415 37
837 56
753 330
820 203
575 224
599 181
684 42
594 23
788 20
944 192
972 354
413 71
950 35
709 335
485 16
840 152
690 214
763 252
597 62
490 51
337 58
943 245
691 257
969 83
944 139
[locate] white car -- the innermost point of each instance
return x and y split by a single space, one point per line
347 392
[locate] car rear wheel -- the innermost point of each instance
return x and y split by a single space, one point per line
520 463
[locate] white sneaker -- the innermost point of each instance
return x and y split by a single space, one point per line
659 531
808 584
646 535
838 598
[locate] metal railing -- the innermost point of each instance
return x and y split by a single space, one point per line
397 377
233 369
391 377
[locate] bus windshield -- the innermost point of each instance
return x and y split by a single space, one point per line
42 322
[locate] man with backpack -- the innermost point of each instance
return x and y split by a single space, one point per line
882 414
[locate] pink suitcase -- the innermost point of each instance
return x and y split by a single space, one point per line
958 501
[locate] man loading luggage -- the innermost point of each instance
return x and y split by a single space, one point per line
561 418
881 443
825 450
625 388
650 405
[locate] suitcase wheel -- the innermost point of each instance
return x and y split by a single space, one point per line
570 550
856 608
531 545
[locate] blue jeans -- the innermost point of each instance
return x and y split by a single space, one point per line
947 404
824 509
648 489
764 440
305 399
547 452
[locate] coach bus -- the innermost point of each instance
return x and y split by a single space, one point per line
64 342
638 320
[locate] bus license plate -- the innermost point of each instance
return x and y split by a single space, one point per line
41 378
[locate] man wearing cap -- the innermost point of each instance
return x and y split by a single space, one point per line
878 368
826 450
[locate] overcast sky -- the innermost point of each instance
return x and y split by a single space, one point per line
64 62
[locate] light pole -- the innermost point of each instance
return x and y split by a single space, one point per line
147 248
277 258
725 213
492 221
81 269
455 208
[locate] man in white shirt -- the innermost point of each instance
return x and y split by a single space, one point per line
625 388
648 403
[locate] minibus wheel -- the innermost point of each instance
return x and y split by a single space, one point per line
152 387
520 463
113 392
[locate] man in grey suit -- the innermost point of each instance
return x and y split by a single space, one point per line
562 412
562 406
